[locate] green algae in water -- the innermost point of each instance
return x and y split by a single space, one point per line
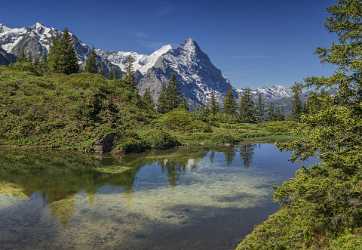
177 199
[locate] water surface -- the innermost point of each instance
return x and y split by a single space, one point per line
178 199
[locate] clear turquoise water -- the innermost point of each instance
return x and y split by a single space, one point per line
178 199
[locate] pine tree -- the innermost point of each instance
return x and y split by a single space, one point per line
173 95
129 76
213 104
147 99
279 113
271 115
184 104
260 108
71 59
55 58
297 108
62 57
247 109
162 106
113 74
91 62
229 103
170 97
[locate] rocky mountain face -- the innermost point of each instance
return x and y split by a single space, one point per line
272 93
196 75
35 42
6 58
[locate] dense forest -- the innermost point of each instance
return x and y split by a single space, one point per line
321 207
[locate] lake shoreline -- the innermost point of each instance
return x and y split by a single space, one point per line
278 138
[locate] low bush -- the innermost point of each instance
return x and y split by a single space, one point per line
181 120
159 139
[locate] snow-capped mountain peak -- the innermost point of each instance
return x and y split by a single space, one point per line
273 92
190 45
150 61
196 75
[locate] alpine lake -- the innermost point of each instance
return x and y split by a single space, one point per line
185 198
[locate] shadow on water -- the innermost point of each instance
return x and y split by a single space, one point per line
176 199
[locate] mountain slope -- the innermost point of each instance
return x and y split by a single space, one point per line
196 75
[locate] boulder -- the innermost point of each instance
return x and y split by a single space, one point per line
105 144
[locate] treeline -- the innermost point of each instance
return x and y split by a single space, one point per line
62 58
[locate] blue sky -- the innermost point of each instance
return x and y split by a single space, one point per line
254 43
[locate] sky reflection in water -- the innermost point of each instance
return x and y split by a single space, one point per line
177 199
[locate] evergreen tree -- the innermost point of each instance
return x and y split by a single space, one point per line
247 109
229 103
91 62
297 108
183 104
113 74
55 56
71 59
321 205
147 99
62 57
174 97
271 115
279 113
129 76
170 97
162 106
260 108
213 104
334 133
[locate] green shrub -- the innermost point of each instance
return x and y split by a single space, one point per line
159 139
224 137
133 145
181 120
347 241
66 111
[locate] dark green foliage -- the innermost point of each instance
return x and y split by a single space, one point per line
260 108
91 63
247 110
297 108
65 111
317 101
170 97
113 75
213 104
271 112
62 57
147 99
129 76
182 120
229 103
159 139
322 205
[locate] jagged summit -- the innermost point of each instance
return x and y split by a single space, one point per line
196 74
